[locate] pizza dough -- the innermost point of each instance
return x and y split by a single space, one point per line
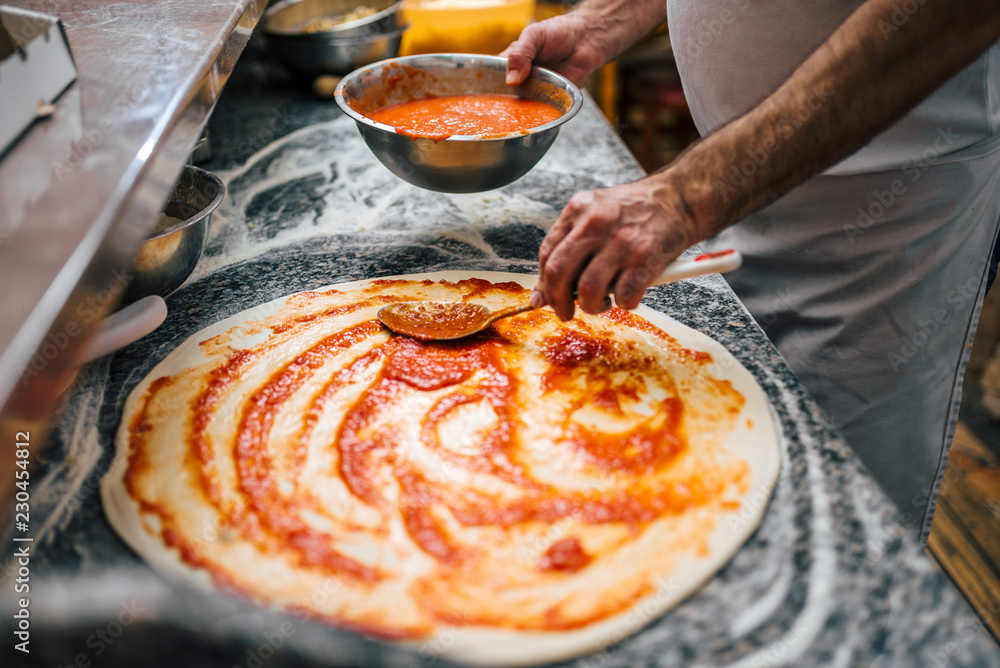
519 497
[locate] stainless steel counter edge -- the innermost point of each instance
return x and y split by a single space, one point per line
79 191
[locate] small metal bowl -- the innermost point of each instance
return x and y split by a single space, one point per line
290 17
167 258
309 59
336 51
461 163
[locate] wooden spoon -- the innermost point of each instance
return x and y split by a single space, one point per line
444 320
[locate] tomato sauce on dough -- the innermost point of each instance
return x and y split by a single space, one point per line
480 115
434 439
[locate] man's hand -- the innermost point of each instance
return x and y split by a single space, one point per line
612 240
565 44
618 239
582 40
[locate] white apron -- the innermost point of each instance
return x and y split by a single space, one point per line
870 277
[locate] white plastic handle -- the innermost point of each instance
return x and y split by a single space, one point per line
708 263
127 325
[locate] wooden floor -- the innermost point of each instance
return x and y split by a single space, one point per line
965 536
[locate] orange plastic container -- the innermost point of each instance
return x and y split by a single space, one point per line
463 26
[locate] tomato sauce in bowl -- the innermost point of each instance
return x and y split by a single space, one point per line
445 154
480 115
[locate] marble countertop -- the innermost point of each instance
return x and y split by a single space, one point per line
831 578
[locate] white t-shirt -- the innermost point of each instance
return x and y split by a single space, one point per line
868 278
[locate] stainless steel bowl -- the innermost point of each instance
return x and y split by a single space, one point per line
336 51
166 259
309 59
291 16
458 164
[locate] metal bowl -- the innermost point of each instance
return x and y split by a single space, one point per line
291 16
167 258
461 163
336 51
309 59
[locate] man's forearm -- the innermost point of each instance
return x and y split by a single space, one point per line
865 77
623 22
